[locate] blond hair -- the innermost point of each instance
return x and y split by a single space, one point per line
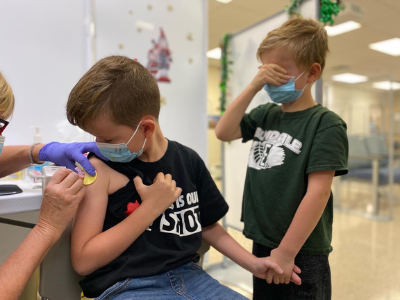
306 39
6 99
117 87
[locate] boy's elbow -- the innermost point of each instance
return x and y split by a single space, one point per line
80 267
220 134
81 270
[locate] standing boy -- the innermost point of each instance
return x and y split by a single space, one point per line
298 147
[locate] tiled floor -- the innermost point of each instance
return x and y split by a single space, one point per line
365 262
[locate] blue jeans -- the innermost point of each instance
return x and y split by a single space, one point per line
189 281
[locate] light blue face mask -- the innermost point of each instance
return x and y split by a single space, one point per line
285 93
2 139
120 152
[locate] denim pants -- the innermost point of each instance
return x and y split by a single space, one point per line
189 281
315 277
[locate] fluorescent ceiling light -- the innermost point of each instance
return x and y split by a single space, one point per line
214 53
349 78
391 47
342 28
224 1
385 85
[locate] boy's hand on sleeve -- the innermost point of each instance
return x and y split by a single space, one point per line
269 73
160 195
289 269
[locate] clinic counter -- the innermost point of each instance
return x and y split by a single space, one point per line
29 200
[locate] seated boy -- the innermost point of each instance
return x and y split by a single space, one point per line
133 241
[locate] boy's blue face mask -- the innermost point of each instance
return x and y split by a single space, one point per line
2 139
285 93
120 152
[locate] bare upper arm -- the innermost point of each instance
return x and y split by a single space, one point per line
89 219
320 182
226 137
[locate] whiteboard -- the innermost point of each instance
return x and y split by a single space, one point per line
243 48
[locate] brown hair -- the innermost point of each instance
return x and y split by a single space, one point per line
305 38
118 87
7 101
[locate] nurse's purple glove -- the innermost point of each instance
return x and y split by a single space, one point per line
66 154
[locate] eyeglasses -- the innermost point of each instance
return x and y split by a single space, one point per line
3 125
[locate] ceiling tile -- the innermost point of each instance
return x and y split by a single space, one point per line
265 8
364 36
214 5
373 9
389 26
394 4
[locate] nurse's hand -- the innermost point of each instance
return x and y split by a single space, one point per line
60 201
67 154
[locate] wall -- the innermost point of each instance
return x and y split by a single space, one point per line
46 49
214 145
42 55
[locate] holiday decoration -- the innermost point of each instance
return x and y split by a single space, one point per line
159 58
293 9
224 72
327 9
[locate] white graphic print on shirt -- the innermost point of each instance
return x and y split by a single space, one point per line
267 151
184 222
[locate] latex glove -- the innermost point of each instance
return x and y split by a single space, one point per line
66 154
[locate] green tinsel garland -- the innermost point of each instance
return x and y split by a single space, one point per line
328 9
224 72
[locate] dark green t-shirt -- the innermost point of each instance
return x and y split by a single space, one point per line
286 148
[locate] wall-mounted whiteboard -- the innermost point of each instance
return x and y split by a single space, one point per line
47 45
243 48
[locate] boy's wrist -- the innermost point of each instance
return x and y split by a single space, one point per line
287 251
253 88
152 209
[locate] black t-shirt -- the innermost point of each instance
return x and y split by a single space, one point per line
175 236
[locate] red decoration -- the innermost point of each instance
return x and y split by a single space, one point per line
131 207
159 58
